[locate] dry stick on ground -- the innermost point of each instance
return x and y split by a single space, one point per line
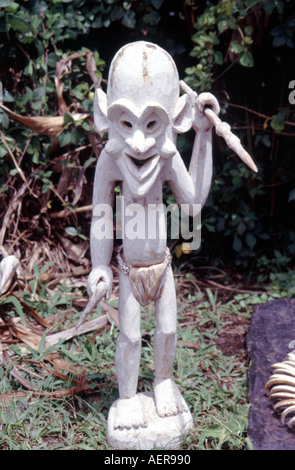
33 340
64 212
234 289
14 370
30 338
91 325
14 203
20 171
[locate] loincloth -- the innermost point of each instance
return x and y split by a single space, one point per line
147 283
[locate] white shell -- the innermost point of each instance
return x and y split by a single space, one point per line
280 389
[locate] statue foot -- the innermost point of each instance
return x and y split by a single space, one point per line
129 414
168 399
160 432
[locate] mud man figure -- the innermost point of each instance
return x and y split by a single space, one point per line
142 112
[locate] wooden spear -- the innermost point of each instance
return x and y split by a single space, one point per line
223 129
97 296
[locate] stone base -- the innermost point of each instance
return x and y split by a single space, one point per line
161 433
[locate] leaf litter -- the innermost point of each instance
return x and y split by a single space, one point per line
29 332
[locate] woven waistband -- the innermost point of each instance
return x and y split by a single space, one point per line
125 267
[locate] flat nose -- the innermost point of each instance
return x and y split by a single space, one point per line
139 143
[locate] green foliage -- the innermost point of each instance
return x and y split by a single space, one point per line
50 68
57 21
229 215
239 220
75 232
236 43
212 26
226 29
31 39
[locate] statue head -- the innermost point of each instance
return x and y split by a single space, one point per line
142 110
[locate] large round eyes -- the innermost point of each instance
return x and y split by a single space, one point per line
126 125
148 125
151 125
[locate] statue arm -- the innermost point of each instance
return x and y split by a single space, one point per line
192 186
101 232
200 168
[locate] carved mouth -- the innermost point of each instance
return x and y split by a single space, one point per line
140 163
141 169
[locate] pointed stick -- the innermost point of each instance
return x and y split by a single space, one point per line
223 130
97 296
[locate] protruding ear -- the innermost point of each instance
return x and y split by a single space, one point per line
183 116
100 107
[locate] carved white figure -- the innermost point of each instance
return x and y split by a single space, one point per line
143 112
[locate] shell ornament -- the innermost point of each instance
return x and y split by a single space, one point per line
280 389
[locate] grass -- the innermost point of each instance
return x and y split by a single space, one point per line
210 369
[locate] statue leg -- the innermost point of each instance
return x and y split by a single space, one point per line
167 396
129 413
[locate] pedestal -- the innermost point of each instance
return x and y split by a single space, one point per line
167 433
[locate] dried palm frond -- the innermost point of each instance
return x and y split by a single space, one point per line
44 125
